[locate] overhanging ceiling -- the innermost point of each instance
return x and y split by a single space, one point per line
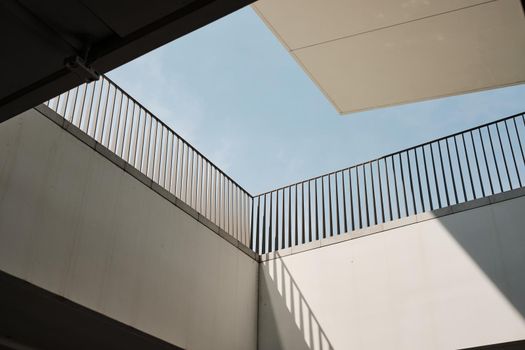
365 54
39 37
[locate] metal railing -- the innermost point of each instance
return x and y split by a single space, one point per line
113 118
471 164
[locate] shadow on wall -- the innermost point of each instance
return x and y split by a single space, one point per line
288 322
451 282
494 238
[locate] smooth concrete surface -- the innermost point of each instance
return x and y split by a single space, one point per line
450 282
78 226
366 54
134 172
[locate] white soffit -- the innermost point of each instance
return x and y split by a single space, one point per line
366 54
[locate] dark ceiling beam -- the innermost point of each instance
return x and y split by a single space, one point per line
39 27
107 54
111 54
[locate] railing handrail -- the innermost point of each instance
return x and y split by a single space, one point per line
426 143
174 132
448 170
201 184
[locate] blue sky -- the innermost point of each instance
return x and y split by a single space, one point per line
236 94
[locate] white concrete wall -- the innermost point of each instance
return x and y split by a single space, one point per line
451 282
79 226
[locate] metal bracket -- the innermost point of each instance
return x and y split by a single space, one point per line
79 67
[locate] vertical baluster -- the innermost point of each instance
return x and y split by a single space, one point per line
403 183
197 180
344 201
423 209
366 196
380 191
64 109
270 231
98 108
477 164
495 161
504 157
316 212
111 114
452 171
373 192
215 194
398 208
176 166
227 199
124 129
309 212
323 207
460 170
57 103
283 224
90 109
82 106
359 198
302 213
388 195
486 161
220 204
172 150
337 204
143 140
184 176
110 119
191 181
330 205
257 248
289 216
296 242
276 241
264 227
132 121
204 190
351 195
252 226
468 166
72 114
513 155
165 153
443 173
429 191
411 182
435 175
154 160
137 134
519 139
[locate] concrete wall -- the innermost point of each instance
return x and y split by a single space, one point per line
451 282
77 225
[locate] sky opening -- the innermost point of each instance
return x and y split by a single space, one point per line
234 93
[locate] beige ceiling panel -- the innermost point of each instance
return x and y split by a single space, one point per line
473 49
301 23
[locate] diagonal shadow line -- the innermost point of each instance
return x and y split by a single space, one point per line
495 243
491 235
302 315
